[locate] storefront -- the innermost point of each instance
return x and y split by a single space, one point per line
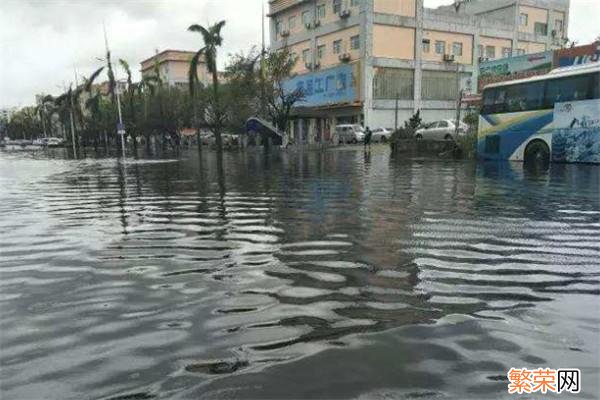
331 97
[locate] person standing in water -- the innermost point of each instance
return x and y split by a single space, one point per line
367 141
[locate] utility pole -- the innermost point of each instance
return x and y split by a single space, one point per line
41 105
43 123
72 124
262 63
458 99
396 113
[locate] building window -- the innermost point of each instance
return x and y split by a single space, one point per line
278 27
506 51
480 51
291 22
490 52
523 19
337 6
439 85
354 3
440 47
558 25
355 42
306 19
520 52
457 49
337 46
321 11
540 29
320 51
391 83
305 55
425 46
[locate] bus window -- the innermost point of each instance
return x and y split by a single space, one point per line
488 100
596 94
524 97
500 101
572 88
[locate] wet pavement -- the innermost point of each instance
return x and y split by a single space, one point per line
333 274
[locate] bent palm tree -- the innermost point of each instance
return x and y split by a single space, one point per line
130 98
212 40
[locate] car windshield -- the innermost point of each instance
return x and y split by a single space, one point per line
358 128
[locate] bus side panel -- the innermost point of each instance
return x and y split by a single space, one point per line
576 135
502 135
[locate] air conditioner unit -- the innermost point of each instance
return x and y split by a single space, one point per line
308 25
317 65
317 23
308 65
482 59
345 57
344 14
449 57
285 33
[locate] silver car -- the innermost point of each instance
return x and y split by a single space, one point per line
349 133
381 135
441 130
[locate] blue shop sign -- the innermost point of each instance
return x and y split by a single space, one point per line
329 86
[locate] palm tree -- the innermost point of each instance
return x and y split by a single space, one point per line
212 40
130 99
66 103
92 105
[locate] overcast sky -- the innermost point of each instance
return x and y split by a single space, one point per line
43 42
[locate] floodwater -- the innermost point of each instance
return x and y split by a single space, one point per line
295 275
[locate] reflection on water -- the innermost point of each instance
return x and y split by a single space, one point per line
331 275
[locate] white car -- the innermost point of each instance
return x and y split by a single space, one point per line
381 135
349 133
441 130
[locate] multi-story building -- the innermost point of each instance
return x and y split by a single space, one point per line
173 67
376 62
7 113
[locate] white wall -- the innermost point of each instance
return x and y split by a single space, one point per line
385 118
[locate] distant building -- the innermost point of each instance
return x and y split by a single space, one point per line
7 113
356 57
173 67
102 88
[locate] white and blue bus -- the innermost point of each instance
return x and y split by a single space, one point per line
552 117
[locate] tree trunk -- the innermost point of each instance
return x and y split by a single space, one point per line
217 122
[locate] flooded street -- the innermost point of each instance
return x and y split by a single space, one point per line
329 274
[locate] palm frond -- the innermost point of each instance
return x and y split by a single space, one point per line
125 65
215 33
193 71
200 29
90 81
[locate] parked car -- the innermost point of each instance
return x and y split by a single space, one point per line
381 135
349 133
441 130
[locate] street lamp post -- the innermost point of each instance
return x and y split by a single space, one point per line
120 126
458 100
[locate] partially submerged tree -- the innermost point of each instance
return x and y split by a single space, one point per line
280 98
212 39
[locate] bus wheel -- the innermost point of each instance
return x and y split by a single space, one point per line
537 153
